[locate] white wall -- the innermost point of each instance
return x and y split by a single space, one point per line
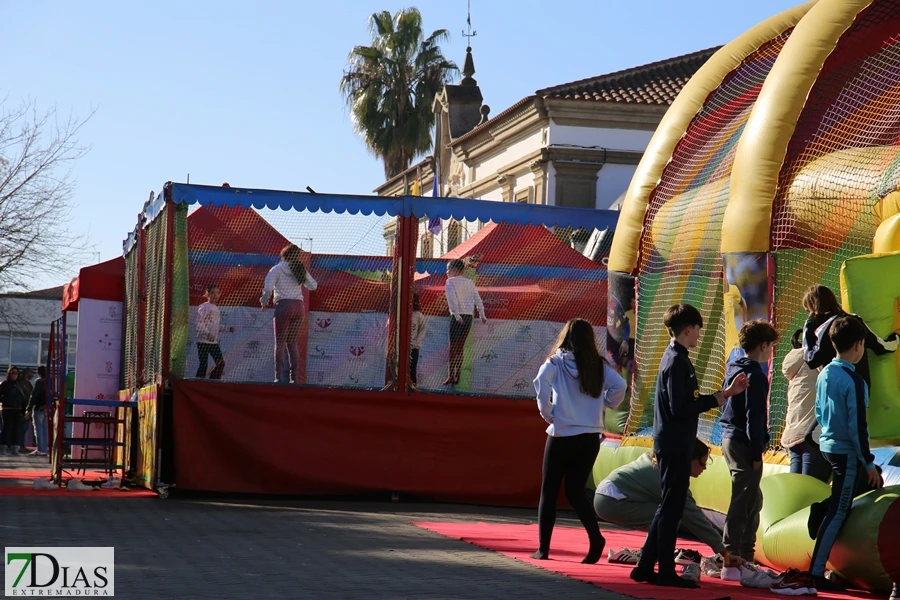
614 139
25 330
612 180
29 315
500 162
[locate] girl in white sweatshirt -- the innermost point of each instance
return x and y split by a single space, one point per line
285 283
208 321
574 388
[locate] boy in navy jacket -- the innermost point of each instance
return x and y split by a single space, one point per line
677 409
745 435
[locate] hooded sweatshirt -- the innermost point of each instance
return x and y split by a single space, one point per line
819 351
281 281
562 403
744 416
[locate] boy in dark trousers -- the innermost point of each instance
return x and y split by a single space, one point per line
745 435
677 408
842 398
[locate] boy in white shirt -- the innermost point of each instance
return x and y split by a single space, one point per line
462 300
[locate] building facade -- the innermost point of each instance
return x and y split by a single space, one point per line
576 144
25 320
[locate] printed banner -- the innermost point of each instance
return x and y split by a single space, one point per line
502 357
98 358
145 462
341 349
347 349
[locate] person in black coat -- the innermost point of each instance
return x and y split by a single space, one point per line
823 308
14 399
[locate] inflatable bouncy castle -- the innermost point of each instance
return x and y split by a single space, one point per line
777 167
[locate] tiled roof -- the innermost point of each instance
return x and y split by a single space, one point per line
655 83
54 293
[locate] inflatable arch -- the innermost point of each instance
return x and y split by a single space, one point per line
777 167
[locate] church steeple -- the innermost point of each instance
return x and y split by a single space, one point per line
469 65
468 69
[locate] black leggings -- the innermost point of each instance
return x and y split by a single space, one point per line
572 458
204 351
12 427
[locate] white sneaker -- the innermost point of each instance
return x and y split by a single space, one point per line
113 483
756 578
691 572
75 485
44 485
623 556
711 566
731 574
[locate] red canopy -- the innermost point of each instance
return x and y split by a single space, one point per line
531 298
103 281
232 231
512 244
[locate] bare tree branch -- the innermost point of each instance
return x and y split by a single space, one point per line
37 152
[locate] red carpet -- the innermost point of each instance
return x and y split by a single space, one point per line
18 482
570 545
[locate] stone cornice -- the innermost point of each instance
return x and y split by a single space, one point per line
590 155
608 115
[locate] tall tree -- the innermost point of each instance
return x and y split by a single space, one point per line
390 87
37 151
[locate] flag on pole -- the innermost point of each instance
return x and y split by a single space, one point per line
434 224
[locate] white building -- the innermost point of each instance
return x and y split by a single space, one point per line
576 144
25 328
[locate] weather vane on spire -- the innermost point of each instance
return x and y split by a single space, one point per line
469 33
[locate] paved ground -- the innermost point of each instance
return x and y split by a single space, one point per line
238 548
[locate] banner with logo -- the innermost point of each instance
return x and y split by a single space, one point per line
98 357
347 349
502 357
245 334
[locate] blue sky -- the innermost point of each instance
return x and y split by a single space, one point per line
247 92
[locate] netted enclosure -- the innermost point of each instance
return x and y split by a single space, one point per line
680 259
841 172
359 293
529 279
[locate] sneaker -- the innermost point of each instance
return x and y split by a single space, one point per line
895 593
711 566
44 485
756 578
827 584
113 483
76 485
731 567
623 556
684 556
794 583
691 572
756 567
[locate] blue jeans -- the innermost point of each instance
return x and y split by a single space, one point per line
40 428
808 460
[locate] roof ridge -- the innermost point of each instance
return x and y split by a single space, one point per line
629 71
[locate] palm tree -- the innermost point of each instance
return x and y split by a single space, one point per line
390 87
